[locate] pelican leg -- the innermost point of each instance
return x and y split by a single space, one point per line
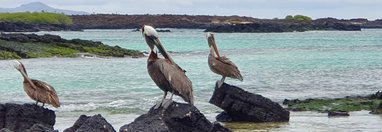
43 104
172 94
220 83
161 102
36 102
167 102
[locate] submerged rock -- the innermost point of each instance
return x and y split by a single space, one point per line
338 113
240 105
178 117
94 123
26 117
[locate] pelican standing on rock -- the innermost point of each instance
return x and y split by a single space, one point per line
220 64
38 90
166 74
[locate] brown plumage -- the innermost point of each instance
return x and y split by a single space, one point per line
166 74
38 90
220 64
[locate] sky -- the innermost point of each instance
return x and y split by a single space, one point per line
370 9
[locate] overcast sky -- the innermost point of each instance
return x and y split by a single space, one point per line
371 9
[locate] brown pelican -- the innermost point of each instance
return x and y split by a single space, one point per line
166 74
38 90
220 64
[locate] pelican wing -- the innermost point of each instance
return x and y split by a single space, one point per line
225 60
223 66
43 85
177 79
53 98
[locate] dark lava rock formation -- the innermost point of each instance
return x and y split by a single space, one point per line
338 113
178 117
286 26
26 118
94 123
25 27
242 106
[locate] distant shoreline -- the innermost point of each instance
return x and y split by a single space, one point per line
210 23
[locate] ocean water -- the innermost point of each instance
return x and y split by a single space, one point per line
323 64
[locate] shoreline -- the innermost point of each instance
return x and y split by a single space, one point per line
18 45
210 23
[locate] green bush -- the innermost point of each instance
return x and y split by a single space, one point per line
298 18
36 17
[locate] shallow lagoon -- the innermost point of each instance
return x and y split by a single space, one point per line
275 65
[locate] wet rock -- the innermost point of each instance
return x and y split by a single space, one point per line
241 105
26 117
178 117
94 123
223 117
338 113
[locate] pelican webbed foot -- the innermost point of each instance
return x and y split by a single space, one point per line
166 103
160 103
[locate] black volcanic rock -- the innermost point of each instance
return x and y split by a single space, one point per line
338 113
178 117
286 26
94 123
240 105
26 117
26 27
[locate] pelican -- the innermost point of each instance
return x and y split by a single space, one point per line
220 64
36 89
166 74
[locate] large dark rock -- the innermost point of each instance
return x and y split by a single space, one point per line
94 123
338 113
26 117
28 27
240 105
178 117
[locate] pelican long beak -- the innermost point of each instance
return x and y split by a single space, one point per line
150 42
162 50
20 67
212 43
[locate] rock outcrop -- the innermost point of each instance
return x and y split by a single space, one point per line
115 21
286 26
240 105
94 123
34 46
25 27
338 113
26 117
178 117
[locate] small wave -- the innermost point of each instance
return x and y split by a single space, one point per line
113 107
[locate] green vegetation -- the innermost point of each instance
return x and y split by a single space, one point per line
50 45
300 18
339 104
8 55
36 17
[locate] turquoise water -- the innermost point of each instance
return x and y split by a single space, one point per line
276 65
